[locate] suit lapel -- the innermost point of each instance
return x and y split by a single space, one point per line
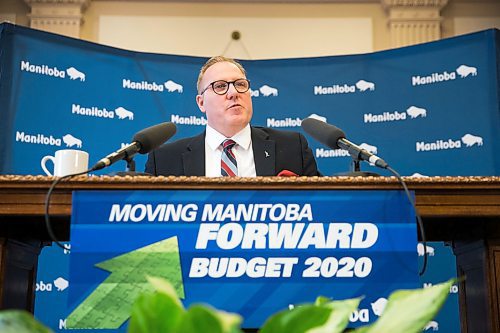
263 153
194 158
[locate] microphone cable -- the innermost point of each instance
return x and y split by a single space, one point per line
48 225
419 218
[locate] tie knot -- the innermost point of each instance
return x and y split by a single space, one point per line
228 144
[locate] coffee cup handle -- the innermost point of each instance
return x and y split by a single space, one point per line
44 160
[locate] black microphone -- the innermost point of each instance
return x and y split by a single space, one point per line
334 138
143 142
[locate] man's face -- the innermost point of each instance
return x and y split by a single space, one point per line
228 113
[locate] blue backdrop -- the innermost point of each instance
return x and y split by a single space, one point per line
431 109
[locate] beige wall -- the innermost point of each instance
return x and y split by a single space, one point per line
478 15
269 30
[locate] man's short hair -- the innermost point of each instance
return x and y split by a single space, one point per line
213 61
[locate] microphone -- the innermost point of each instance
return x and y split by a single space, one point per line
334 138
143 142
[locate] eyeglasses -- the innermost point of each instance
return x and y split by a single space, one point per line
221 87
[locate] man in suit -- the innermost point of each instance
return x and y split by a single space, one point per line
229 146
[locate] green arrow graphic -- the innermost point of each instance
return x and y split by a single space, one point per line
109 305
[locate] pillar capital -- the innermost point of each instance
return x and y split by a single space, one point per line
414 21
58 16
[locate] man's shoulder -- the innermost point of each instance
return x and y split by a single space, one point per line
275 133
181 144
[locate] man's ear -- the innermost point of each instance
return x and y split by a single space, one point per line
199 101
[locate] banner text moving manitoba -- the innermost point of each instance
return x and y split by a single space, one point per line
261 226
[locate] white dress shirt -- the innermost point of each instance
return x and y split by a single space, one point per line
242 151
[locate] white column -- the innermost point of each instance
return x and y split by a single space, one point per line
58 16
414 21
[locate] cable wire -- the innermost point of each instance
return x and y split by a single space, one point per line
419 218
242 44
48 226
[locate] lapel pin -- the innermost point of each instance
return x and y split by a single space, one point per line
267 154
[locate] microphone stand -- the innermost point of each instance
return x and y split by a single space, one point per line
355 168
130 170
130 164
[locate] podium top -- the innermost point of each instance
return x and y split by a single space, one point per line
167 182
435 196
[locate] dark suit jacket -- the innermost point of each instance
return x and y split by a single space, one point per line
273 151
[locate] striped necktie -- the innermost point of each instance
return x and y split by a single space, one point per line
228 165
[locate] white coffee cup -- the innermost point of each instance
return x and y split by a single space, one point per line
67 162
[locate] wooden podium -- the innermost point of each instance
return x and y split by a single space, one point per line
463 211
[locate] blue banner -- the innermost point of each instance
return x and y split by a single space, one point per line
250 252
429 109
57 92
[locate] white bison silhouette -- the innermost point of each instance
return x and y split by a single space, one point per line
61 284
470 140
75 74
266 90
71 141
414 112
124 113
363 85
172 86
465 71
378 306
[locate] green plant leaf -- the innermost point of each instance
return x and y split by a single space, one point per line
164 286
203 319
161 311
321 300
230 322
339 318
18 321
156 312
410 310
321 317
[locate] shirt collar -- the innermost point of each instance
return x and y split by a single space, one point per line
243 138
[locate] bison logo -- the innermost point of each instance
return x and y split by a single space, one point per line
378 306
123 113
172 86
363 85
415 112
71 141
470 140
74 74
266 90
465 71
61 283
